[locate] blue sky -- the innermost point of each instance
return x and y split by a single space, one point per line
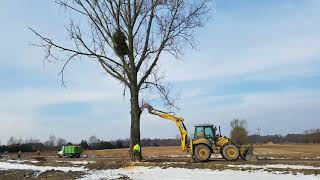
255 60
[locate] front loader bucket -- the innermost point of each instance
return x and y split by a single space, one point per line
251 158
248 154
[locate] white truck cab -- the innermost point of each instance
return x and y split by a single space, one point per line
60 153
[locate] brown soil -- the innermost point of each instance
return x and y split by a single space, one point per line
49 175
147 151
294 151
293 154
275 150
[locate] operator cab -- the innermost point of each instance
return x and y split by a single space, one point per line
207 131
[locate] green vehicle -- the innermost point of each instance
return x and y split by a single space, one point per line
70 151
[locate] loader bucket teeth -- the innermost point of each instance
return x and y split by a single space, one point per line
250 156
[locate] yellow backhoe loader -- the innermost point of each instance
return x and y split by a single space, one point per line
206 141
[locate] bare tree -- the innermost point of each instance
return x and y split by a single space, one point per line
51 141
32 141
93 140
312 136
239 134
19 141
61 142
127 38
11 140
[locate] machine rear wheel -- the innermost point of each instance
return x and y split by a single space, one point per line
230 152
202 152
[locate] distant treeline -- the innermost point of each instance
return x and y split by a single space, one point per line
29 147
93 143
309 136
125 143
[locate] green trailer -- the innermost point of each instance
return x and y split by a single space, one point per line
70 151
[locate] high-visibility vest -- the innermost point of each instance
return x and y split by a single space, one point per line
136 147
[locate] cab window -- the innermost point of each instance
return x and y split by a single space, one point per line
199 132
208 132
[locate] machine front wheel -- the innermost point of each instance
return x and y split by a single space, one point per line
202 152
230 152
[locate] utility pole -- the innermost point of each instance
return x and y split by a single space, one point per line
259 129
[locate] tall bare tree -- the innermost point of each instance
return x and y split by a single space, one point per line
93 140
12 140
127 38
239 133
60 142
51 142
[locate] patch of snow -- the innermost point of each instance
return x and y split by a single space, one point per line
21 161
177 156
152 156
311 158
279 166
76 162
81 162
277 157
16 161
217 156
16 166
306 158
181 173
174 163
34 161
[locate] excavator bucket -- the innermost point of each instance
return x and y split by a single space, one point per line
248 155
147 106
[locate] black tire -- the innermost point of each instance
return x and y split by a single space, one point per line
202 153
243 155
230 152
194 159
222 155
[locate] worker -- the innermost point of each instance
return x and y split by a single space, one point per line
19 154
136 152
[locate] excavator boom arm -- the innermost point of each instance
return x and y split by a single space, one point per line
177 119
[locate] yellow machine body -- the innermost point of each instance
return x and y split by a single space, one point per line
204 145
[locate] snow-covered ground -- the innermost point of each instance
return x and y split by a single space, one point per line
77 162
302 158
147 173
196 174
21 161
18 166
277 166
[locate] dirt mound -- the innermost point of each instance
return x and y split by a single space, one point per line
53 174
16 174
113 164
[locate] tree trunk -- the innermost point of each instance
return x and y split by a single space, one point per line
135 118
